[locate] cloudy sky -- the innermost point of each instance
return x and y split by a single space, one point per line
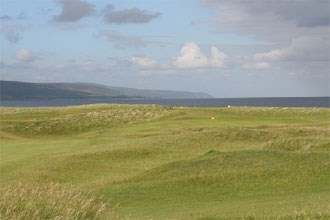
227 48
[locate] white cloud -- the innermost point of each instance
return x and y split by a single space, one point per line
301 49
257 65
261 65
218 57
24 55
143 61
192 57
271 55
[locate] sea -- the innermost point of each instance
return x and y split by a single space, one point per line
320 102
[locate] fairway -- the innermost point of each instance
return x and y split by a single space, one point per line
152 162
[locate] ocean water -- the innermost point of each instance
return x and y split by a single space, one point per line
215 102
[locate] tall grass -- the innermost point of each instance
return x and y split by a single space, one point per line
47 201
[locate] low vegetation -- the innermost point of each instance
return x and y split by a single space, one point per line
50 201
71 120
153 162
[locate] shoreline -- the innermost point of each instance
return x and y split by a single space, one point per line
321 102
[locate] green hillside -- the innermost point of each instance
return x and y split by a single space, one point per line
11 90
153 162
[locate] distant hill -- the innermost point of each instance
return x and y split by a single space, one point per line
13 90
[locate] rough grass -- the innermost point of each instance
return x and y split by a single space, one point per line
176 163
60 121
49 201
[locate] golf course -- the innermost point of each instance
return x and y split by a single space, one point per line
111 161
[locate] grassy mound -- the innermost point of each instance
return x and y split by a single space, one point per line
57 121
168 163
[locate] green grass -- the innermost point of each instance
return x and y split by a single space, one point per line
152 162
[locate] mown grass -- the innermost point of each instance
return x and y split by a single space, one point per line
175 163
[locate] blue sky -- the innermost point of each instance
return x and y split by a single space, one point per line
227 48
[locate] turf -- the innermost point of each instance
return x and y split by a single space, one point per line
153 162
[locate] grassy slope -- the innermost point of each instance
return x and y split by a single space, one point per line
179 163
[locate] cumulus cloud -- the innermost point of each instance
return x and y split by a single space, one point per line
121 41
24 55
218 58
302 49
143 61
74 10
193 57
133 15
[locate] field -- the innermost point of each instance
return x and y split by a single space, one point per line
153 162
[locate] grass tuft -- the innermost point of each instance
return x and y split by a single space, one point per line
49 201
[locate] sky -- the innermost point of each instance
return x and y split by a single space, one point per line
226 48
